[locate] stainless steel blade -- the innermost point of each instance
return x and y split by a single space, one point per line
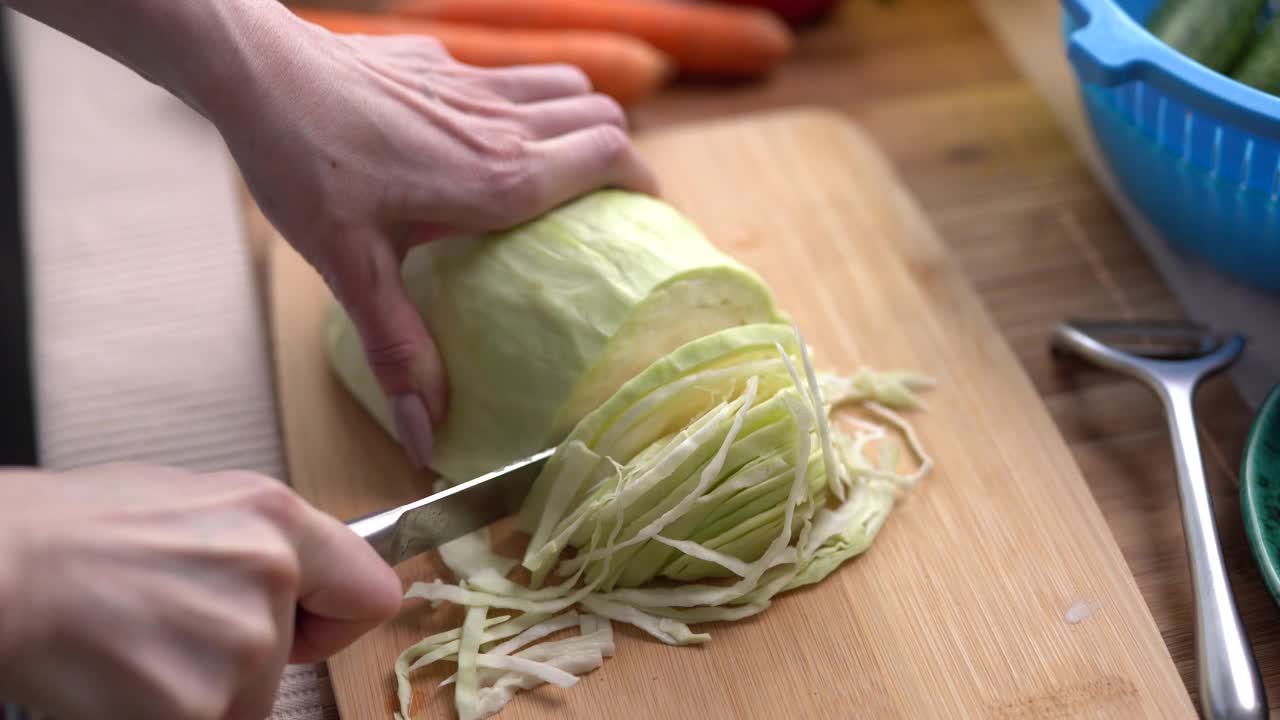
403 532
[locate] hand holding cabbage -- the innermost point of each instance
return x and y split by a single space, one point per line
359 148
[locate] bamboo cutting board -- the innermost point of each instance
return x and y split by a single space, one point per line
963 606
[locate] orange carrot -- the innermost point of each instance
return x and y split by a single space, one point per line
705 39
620 66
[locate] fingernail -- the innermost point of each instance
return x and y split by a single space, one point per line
413 426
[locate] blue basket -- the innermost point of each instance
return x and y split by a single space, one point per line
1196 151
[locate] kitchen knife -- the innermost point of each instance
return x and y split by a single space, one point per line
403 532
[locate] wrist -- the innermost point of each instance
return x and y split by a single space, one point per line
206 52
237 43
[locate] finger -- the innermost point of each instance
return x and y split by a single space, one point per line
532 83
345 589
584 160
550 118
256 692
400 351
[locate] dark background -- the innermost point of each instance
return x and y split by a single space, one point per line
17 426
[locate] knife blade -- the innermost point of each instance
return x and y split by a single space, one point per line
414 528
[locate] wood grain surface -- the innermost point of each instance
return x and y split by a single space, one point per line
959 608
971 102
988 162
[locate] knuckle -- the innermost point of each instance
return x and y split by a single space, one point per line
503 143
431 47
274 500
502 187
513 189
275 567
390 357
254 643
609 142
574 77
271 561
239 478
188 693
609 110
197 705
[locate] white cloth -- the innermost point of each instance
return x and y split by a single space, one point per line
149 336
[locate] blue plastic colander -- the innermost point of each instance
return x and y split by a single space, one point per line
1196 151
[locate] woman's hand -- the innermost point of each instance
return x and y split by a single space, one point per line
145 592
359 148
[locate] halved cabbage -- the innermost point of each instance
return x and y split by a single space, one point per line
540 324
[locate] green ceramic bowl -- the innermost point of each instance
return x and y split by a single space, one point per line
1260 491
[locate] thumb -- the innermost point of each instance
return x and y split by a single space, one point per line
399 350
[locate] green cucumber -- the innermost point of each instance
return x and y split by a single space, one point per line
1214 33
1260 67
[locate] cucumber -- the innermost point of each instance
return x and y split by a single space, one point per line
1214 33
1261 64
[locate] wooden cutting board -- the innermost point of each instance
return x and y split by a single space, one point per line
962 606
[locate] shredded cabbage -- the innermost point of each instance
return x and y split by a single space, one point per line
750 480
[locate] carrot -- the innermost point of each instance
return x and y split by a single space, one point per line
620 66
704 39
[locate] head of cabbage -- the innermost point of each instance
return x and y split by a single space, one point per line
540 324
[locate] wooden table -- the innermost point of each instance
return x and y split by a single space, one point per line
1041 241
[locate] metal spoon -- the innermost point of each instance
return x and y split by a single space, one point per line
1173 360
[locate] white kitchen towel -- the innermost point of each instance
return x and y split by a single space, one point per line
149 337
